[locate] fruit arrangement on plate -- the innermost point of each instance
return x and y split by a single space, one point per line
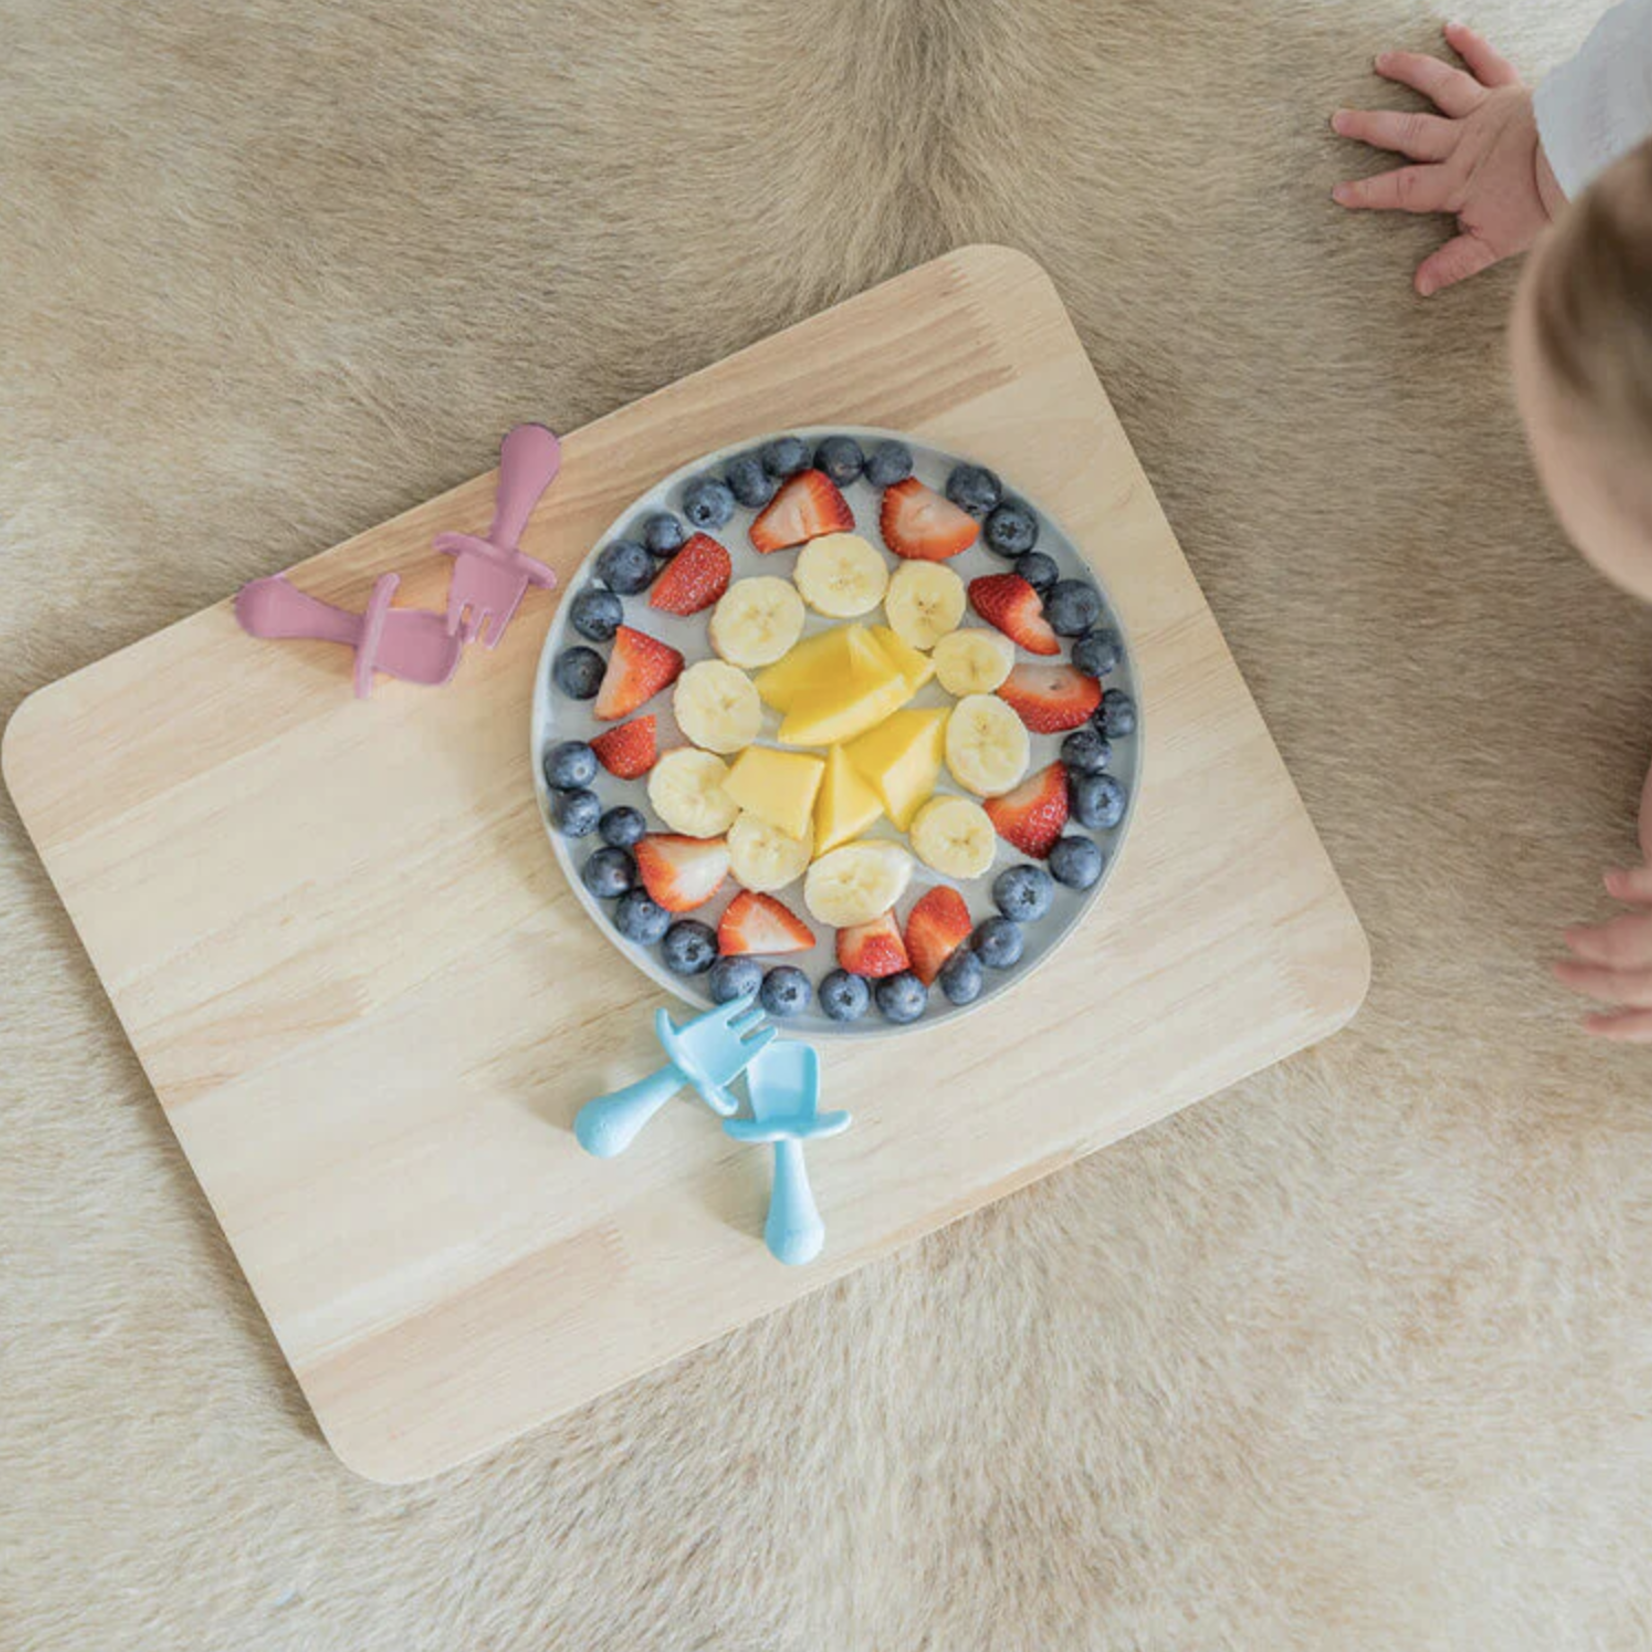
838 719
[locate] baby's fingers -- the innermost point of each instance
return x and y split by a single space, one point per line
1620 943
1451 91
1418 137
1630 987
1632 884
1407 189
1461 257
1621 1026
1490 67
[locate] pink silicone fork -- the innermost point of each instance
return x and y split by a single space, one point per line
490 575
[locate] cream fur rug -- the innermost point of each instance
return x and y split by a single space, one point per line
1355 1356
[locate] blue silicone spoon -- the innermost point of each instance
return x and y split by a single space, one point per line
784 1084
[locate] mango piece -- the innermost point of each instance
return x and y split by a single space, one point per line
912 663
901 759
814 663
777 786
866 659
846 805
855 701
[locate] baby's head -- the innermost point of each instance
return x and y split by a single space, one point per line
1582 354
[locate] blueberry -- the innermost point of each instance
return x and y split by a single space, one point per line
609 873
625 567
1116 715
784 456
732 978
1097 800
575 813
1038 570
888 463
1085 751
578 672
1098 653
663 534
844 997
1023 892
962 977
596 613
1072 606
689 947
624 827
749 482
638 919
707 503
999 942
1076 861
1012 529
841 458
570 764
901 998
975 489
785 991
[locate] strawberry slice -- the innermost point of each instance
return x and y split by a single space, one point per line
694 578
805 508
935 928
874 949
1010 603
760 923
681 873
629 750
1050 698
639 667
1031 817
922 525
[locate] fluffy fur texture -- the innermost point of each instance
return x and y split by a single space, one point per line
1353 1356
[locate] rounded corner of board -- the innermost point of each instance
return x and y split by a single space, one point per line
374 1458
14 740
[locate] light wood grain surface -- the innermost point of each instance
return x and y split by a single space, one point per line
370 1006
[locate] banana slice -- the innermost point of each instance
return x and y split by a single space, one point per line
953 835
987 748
973 661
857 883
924 603
763 858
717 707
756 621
840 575
686 790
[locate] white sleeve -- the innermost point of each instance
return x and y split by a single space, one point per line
1599 105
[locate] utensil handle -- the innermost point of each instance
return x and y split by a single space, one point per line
610 1124
794 1231
275 607
529 458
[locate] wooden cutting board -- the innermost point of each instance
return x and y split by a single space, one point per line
370 1006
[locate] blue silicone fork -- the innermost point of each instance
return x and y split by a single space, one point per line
706 1054
784 1084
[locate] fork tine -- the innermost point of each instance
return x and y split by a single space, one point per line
732 1059
727 1014
746 1023
761 1039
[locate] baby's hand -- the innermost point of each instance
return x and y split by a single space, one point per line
1479 158
1612 962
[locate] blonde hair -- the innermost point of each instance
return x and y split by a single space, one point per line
1592 304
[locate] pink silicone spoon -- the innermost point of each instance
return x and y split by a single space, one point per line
410 643
490 575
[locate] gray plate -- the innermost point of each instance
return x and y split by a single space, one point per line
556 718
